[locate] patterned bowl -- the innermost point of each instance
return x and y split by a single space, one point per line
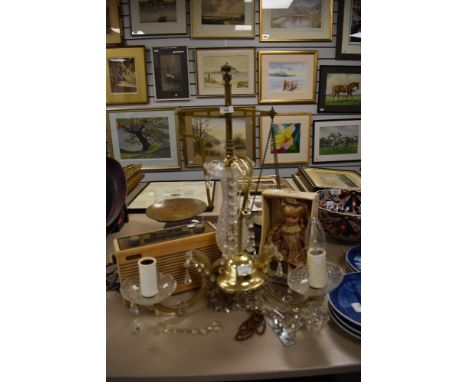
339 211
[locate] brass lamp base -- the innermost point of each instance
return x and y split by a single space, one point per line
240 274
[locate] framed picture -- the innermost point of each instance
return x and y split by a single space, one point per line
146 136
288 76
267 183
153 17
339 89
155 192
348 40
292 138
204 132
171 76
316 178
301 20
222 19
337 141
113 24
126 75
210 77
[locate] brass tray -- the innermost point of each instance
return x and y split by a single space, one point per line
170 210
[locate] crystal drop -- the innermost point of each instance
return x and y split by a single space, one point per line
187 278
279 269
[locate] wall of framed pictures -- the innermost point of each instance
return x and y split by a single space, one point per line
189 55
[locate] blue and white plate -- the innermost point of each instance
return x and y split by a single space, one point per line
353 332
353 258
344 321
345 299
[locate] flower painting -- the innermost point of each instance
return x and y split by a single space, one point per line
287 138
291 138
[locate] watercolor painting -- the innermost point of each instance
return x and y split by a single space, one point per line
343 89
305 14
122 74
157 11
223 12
286 76
338 139
213 76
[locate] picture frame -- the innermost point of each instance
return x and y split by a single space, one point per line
222 19
318 178
210 81
148 136
336 141
288 76
302 20
158 17
292 133
126 75
171 76
348 47
206 127
158 191
113 23
339 89
268 182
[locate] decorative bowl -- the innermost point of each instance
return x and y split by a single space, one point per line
339 211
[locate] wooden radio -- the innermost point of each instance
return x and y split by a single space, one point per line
169 247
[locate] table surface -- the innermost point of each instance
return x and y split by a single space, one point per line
218 356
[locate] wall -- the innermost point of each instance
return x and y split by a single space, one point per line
326 56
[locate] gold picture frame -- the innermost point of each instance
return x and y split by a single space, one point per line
113 23
318 178
145 136
126 75
287 76
222 19
209 61
302 20
292 133
204 134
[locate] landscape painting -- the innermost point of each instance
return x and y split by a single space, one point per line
144 136
286 76
337 140
223 12
305 14
157 11
210 77
122 74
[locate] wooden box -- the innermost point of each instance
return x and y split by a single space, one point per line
169 247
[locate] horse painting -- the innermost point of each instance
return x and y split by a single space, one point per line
347 89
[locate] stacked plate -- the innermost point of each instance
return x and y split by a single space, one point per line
353 258
344 304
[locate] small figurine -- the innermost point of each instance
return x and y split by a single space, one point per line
288 236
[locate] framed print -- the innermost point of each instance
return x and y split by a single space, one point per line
210 77
222 19
288 76
113 24
339 89
348 40
292 138
146 136
171 76
126 75
204 132
318 178
153 17
296 20
337 141
158 191
257 186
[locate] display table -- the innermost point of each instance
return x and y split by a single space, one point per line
217 356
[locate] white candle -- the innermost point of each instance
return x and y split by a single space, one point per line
148 276
317 266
